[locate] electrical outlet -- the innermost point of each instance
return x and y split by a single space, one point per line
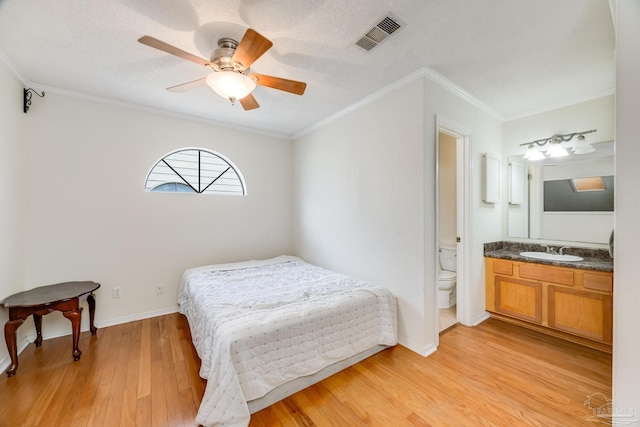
159 289
116 292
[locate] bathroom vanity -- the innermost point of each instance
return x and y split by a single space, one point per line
571 300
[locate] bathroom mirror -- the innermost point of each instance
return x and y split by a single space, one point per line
577 205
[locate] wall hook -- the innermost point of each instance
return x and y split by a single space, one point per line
27 98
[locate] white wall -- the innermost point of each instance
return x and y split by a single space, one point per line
88 217
358 185
364 188
626 345
11 191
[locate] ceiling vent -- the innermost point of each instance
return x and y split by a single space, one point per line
380 32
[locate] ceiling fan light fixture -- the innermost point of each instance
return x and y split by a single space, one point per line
231 84
230 64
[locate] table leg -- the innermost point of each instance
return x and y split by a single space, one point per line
10 337
74 316
92 313
37 320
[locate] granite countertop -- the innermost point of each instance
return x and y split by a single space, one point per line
594 259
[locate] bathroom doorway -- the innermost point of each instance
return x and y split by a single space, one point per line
452 186
447 231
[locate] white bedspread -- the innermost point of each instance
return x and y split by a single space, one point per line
259 324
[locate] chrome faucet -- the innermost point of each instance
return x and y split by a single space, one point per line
549 250
563 248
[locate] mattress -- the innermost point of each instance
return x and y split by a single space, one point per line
257 325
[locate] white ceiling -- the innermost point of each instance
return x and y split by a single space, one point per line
516 56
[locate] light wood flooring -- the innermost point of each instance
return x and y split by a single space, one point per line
145 373
447 317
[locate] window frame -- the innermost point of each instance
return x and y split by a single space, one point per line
222 157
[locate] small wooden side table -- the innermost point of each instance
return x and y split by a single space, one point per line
64 297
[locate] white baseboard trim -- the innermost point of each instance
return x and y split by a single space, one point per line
484 316
428 350
22 344
422 351
134 317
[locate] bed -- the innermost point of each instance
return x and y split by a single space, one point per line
268 328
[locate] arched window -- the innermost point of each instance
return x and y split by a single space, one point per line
195 170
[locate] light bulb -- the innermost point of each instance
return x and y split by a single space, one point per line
557 150
230 84
533 154
582 146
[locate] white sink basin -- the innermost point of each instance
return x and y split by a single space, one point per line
551 257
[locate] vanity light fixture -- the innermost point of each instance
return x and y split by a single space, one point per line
533 153
556 146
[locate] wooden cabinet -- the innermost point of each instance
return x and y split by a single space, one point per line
518 298
570 303
588 314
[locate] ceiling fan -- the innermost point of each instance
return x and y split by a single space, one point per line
230 63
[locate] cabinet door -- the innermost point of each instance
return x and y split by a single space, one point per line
519 298
584 313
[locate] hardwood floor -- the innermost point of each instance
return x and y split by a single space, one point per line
142 373
145 373
447 317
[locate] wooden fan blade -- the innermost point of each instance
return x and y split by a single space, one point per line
188 86
160 45
251 47
249 103
291 86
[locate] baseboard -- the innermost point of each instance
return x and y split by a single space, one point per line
428 350
484 316
421 350
6 360
134 317
110 322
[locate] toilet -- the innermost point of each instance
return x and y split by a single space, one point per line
447 278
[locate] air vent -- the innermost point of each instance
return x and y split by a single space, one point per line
366 43
376 35
388 25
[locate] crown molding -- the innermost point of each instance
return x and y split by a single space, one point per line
364 101
13 69
447 84
424 72
155 111
568 103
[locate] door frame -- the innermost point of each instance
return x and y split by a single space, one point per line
463 187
